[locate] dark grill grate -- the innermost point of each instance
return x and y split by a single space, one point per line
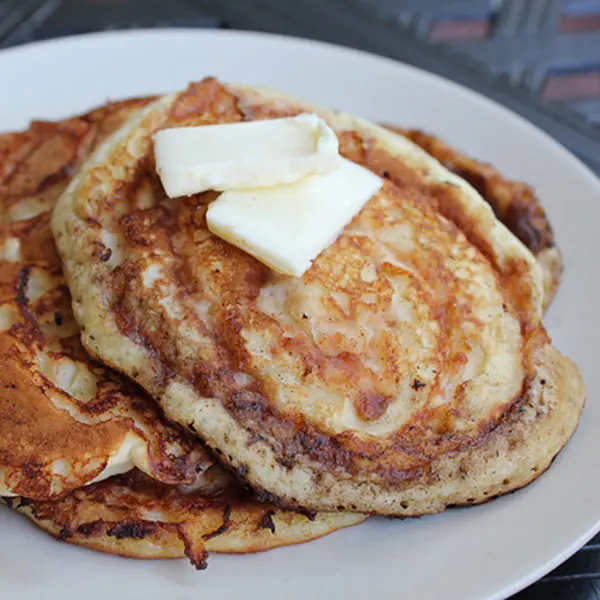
38 19
528 40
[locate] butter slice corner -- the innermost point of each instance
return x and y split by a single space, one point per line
287 226
230 156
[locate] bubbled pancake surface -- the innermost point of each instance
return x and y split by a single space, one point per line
408 369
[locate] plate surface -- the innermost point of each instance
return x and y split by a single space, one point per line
479 553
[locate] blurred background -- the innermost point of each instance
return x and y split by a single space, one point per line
541 58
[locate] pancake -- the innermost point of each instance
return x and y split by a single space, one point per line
135 516
514 203
64 420
407 371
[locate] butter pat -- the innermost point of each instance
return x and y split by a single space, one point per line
190 160
288 226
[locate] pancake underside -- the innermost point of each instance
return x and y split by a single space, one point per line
302 410
138 517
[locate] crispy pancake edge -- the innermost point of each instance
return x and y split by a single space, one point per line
514 203
136 517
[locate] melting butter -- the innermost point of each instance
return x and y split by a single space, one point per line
288 226
254 154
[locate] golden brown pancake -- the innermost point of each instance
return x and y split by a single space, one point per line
408 370
64 420
513 202
135 516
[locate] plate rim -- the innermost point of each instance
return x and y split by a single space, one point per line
475 95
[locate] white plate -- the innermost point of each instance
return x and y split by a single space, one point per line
482 552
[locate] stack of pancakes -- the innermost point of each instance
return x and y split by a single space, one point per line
165 394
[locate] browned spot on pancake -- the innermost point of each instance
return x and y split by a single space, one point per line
136 530
267 521
37 243
91 529
381 162
9 278
52 149
34 432
371 407
353 146
528 222
110 117
514 203
205 103
224 527
102 253
23 405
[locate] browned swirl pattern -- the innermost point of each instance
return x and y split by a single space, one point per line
63 418
514 203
